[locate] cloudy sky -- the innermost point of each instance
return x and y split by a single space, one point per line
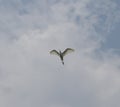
31 77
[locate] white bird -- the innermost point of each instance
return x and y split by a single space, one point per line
62 54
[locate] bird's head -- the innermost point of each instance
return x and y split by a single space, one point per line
59 51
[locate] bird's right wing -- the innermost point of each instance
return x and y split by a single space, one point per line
68 50
54 52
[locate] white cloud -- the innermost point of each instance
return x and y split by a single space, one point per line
30 77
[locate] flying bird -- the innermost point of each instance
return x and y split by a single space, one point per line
62 54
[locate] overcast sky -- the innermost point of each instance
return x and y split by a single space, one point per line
31 77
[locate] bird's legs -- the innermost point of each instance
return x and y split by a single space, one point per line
62 62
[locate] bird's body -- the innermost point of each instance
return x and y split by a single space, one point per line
62 54
61 57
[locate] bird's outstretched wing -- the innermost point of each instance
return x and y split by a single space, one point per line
68 50
54 52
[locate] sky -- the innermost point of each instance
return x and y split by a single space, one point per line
31 77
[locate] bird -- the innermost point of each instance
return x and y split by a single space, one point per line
62 54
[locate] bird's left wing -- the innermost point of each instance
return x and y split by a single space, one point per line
54 52
68 50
